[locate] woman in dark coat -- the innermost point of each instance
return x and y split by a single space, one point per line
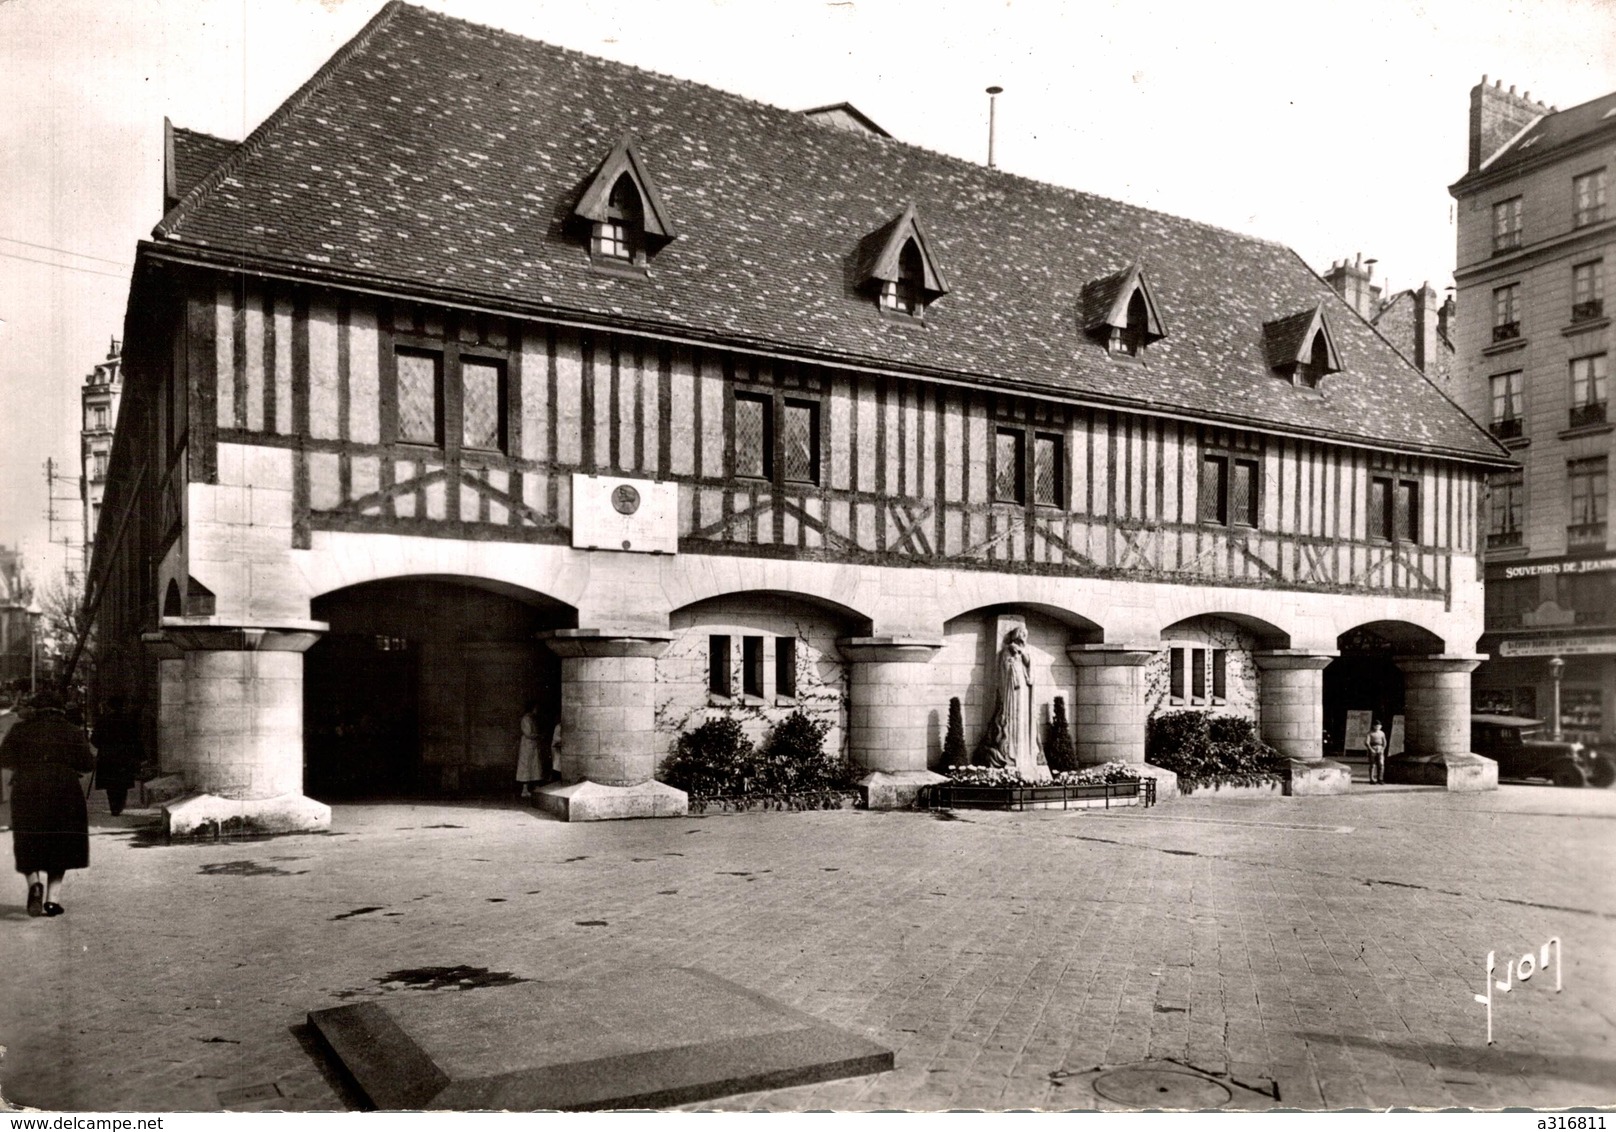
50 829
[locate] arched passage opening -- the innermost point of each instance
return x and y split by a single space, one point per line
1365 679
419 687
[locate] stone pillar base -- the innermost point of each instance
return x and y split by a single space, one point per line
208 815
1309 777
896 789
1166 780
1462 773
590 801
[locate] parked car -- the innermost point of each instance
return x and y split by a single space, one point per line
1523 750
1604 755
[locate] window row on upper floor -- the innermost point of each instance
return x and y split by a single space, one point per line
1587 302
1586 490
456 399
1588 194
1589 377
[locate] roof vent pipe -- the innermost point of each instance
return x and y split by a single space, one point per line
993 99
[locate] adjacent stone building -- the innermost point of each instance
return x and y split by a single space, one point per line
99 398
485 372
1413 321
1537 235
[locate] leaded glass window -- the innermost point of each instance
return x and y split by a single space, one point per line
1243 493
482 400
1214 472
1007 487
1406 523
1380 508
1046 469
800 442
420 396
753 436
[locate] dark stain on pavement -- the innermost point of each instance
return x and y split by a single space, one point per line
1160 1009
459 977
222 1041
668 892
443 825
570 860
357 912
1181 852
246 869
592 923
496 900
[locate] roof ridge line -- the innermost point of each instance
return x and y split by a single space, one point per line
866 138
249 146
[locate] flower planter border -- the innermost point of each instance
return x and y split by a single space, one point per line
1266 785
782 803
1088 795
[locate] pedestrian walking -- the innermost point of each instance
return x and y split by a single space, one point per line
1377 754
50 829
118 753
529 759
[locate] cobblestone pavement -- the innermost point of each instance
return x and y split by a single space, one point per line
1329 945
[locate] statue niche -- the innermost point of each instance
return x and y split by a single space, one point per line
1011 741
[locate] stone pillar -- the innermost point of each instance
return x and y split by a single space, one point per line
1109 712
1291 705
243 728
1436 726
170 660
608 728
887 714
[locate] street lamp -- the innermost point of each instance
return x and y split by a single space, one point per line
1556 669
34 613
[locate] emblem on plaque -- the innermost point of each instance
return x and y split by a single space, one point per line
625 499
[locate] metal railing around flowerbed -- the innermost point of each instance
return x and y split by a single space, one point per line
976 796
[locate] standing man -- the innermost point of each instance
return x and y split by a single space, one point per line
1377 754
118 753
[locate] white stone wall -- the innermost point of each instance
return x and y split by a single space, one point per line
1243 678
683 701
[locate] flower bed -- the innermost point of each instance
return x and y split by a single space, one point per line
755 803
996 788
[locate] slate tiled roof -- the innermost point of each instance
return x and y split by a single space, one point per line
196 155
1556 129
444 157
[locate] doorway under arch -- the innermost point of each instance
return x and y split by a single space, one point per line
418 688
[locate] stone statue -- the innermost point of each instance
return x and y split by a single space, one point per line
1012 737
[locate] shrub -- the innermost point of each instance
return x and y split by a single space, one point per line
795 760
1058 751
954 752
1196 745
718 760
711 759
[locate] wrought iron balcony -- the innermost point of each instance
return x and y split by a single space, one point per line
1590 414
1591 308
1507 429
1583 535
1503 540
1507 331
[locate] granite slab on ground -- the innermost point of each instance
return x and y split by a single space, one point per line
647 1040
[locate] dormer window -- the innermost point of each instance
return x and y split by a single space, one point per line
896 264
621 213
1301 348
1120 312
906 293
622 234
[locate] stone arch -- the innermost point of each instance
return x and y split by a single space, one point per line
1264 634
420 683
756 656
1209 662
1365 676
1403 638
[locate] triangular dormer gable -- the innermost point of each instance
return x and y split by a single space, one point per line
881 255
594 203
1106 301
1301 347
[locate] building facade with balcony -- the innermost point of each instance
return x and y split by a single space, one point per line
486 372
1536 240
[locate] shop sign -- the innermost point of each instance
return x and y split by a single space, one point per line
1569 566
1559 646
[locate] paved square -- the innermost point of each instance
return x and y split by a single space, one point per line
1332 945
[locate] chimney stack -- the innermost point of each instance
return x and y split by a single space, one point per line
1496 116
1352 282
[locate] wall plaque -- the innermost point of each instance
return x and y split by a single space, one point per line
612 513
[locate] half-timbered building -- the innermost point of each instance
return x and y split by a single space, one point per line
485 372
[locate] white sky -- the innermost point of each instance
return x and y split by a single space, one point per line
1330 126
